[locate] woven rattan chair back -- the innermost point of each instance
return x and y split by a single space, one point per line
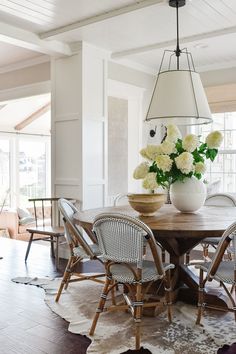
220 199
122 238
121 199
73 233
223 271
80 248
227 240
122 241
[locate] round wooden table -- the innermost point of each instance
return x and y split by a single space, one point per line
178 233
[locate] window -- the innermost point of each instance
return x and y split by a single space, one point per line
4 172
224 166
32 169
24 168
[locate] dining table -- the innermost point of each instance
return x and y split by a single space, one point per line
178 233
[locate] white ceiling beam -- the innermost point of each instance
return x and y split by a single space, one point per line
29 40
100 17
32 117
166 44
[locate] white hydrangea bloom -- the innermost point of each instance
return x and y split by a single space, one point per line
150 182
200 167
190 142
167 147
141 170
184 162
173 133
164 162
151 152
214 139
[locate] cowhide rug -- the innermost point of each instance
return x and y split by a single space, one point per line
115 330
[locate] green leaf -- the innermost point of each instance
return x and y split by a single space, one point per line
211 154
179 146
197 157
198 175
202 148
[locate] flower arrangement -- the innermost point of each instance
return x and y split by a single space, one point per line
176 159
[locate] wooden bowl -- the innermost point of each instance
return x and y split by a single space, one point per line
146 204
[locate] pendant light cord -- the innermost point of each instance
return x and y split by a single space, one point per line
177 51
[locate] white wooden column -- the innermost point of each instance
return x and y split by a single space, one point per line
79 113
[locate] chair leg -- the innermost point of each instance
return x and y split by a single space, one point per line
187 257
52 247
168 290
163 255
57 252
205 251
29 246
138 315
101 305
65 278
200 298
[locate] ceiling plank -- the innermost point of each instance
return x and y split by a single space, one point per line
100 17
29 40
166 44
32 117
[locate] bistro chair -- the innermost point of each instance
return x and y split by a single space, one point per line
47 225
79 246
121 240
223 271
219 199
122 199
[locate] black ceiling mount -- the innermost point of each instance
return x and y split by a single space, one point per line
175 3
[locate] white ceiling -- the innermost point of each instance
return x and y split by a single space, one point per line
16 111
135 30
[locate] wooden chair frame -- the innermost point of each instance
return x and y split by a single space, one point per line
74 239
210 275
50 233
134 293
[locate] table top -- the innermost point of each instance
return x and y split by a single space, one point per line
209 221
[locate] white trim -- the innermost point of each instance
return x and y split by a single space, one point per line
24 64
165 44
29 40
120 89
101 17
35 89
135 66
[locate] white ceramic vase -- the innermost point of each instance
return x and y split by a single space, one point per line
189 195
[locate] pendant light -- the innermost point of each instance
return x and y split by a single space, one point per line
178 95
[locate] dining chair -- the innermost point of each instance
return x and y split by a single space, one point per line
122 199
47 225
121 239
80 248
217 199
220 270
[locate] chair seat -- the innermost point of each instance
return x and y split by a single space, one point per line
80 252
123 274
225 271
47 230
211 240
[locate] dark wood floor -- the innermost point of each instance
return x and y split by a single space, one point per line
27 325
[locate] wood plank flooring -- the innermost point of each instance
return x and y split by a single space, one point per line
27 325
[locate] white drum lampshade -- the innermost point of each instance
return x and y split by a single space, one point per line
179 95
